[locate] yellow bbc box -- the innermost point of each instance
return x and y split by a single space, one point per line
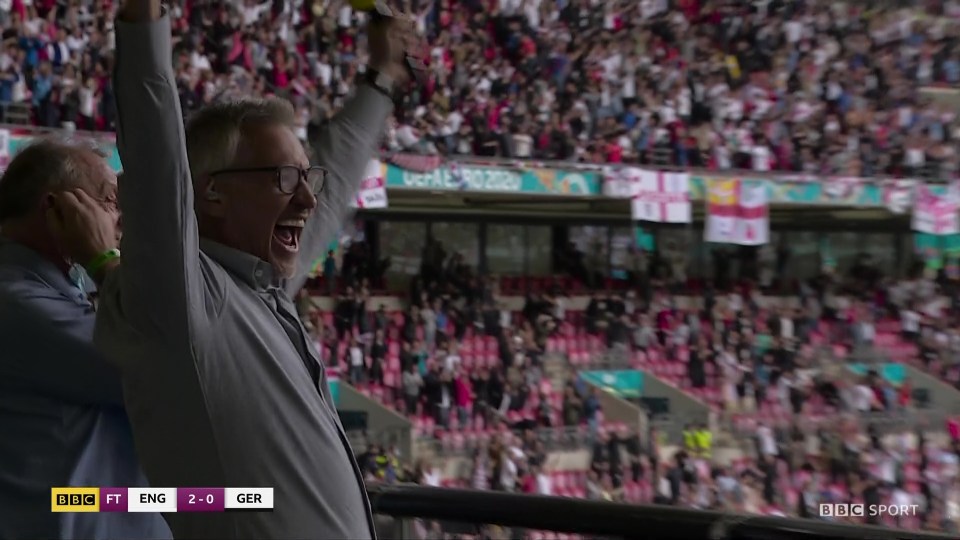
75 499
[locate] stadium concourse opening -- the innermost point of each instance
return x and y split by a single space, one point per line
448 513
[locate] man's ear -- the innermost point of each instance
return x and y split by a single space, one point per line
211 201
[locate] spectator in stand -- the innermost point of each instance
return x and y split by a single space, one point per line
378 354
592 409
356 361
463 396
330 272
413 385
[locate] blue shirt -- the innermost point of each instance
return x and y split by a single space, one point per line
61 408
42 86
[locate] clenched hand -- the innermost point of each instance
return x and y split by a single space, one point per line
392 40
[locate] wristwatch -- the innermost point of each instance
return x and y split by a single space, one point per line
381 82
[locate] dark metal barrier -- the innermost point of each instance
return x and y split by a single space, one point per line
593 519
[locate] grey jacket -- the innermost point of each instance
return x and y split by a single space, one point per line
217 370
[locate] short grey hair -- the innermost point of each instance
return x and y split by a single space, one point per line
214 132
48 164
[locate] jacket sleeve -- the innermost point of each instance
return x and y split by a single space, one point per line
158 290
344 147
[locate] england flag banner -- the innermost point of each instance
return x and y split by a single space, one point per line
373 187
737 212
935 214
663 197
621 182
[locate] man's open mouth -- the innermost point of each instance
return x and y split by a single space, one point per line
287 233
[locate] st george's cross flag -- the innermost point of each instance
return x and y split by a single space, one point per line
663 197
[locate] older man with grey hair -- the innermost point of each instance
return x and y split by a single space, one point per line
62 421
221 223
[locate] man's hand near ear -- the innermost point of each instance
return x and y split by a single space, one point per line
85 230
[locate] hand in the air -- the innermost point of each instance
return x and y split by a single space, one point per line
391 40
83 227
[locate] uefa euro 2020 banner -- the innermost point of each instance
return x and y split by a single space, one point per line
436 173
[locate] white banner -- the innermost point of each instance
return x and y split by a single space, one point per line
935 214
898 195
754 222
621 183
663 197
373 187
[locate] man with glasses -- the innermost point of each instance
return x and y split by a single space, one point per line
221 222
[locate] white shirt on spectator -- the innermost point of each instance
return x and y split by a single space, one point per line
629 90
431 478
668 113
768 445
910 320
684 105
760 157
531 10
786 327
733 108
32 26
861 398
76 43
356 356
199 62
887 469
523 145
451 362
735 302
544 485
324 73
86 101
867 332
794 30
252 14
508 474
407 136
445 396
345 16
915 157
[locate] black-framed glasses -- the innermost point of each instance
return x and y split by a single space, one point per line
288 177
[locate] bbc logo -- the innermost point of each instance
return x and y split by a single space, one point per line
75 499
842 510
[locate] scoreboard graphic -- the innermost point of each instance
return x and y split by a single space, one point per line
121 499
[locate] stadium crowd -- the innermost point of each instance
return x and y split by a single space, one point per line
811 87
775 373
804 86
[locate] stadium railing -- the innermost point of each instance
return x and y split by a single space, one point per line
406 512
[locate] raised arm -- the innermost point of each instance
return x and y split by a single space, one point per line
158 289
344 147
347 143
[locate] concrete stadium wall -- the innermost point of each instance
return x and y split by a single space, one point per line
383 424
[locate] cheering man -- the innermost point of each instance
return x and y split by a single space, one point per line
221 220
